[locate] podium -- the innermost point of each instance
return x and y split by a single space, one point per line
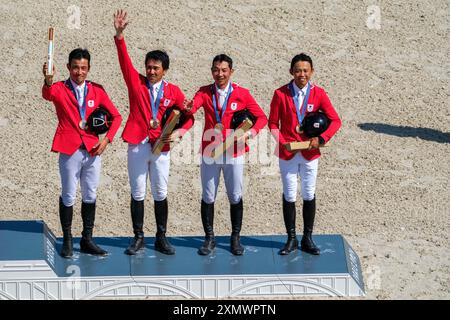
31 268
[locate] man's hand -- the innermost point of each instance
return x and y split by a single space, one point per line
188 104
174 137
243 139
314 144
120 22
100 146
48 78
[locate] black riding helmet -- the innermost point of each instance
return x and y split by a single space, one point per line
314 124
99 121
166 116
240 116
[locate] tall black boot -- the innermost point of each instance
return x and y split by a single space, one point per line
137 218
161 243
236 213
289 221
309 212
87 244
207 212
65 216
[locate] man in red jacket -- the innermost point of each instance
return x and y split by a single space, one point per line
289 105
79 149
221 100
149 96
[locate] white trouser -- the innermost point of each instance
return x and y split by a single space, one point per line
233 174
141 162
80 166
307 170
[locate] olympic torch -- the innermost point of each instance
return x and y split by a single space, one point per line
51 38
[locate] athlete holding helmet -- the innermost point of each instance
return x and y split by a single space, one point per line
75 100
289 121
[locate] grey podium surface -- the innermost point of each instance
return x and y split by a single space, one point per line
30 268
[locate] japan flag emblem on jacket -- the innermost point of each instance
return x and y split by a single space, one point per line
166 102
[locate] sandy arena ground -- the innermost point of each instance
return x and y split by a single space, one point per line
384 183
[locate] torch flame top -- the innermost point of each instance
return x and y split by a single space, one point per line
50 33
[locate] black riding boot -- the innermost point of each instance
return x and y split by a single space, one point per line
207 212
236 213
65 216
137 218
289 221
87 244
161 243
309 212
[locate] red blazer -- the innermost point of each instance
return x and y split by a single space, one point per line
283 119
69 137
239 99
138 127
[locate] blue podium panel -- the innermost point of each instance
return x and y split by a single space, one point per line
257 259
29 233
331 260
31 268
261 257
116 263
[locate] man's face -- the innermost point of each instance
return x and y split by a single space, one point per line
221 73
78 69
154 71
302 72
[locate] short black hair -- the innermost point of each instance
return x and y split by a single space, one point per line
158 55
301 57
78 54
222 57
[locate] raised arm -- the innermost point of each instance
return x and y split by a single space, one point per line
130 74
120 23
47 91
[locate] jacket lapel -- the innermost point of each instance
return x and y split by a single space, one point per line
166 95
311 99
73 111
290 100
231 99
90 97
146 107
70 94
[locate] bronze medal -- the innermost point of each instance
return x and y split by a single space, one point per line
298 128
219 127
82 124
154 123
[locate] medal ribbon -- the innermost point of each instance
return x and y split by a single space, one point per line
216 101
155 104
301 115
82 108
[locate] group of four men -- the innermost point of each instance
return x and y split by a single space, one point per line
149 98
